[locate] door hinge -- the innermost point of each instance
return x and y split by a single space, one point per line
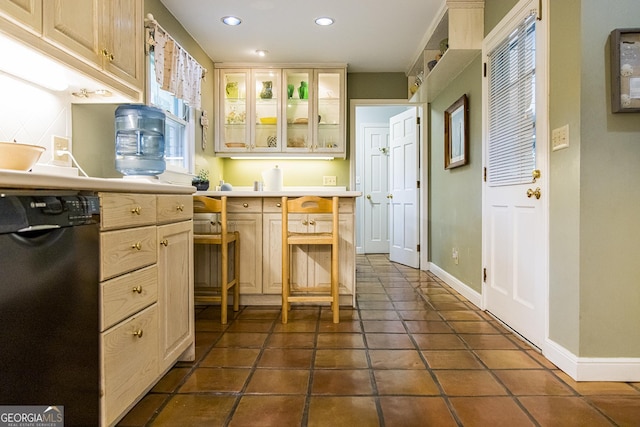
418 248
418 184
484 275
417 120
484 67
484 175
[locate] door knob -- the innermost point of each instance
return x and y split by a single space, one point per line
535 192
535 174
369 196
389 196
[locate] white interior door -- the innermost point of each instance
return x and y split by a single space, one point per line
514 219
376 188
404 230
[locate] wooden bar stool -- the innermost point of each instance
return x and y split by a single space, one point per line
309 205
223 238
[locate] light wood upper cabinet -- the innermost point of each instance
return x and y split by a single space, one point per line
26 13
123 39
272 111
105 33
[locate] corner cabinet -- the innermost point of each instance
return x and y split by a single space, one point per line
280 111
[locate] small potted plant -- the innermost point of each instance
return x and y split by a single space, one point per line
201 181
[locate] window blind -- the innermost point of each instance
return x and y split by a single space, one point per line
512 118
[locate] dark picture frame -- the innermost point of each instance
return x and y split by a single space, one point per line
456 134
625 70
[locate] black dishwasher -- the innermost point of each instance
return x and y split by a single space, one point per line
49 265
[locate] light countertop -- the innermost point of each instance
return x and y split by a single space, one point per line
285 192
17 180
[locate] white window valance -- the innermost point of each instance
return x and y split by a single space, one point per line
176 71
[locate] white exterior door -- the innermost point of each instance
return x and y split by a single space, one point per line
404 171
376 189
515 243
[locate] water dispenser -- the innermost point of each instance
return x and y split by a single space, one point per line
139 140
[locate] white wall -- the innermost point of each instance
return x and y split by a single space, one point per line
31 115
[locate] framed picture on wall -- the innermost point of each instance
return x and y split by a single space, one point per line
625 70
456 134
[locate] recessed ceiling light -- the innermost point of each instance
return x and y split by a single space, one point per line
231 20
261 52
324 21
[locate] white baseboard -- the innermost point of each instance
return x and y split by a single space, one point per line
592 368
473 296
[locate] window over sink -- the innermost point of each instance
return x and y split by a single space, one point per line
179 125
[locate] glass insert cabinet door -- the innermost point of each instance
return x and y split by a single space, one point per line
329 133
298 109
267 87
234 90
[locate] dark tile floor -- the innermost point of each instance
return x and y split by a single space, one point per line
413 353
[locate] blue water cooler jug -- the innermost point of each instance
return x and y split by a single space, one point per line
140 140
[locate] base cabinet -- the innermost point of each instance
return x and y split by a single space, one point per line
175 290
146 289
259 221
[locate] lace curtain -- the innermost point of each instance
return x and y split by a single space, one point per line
176 71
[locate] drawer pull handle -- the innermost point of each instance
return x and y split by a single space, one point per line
137 246
138 289
278 205
164 242
180 208
305 222
136 210
245 205
138 333
312 222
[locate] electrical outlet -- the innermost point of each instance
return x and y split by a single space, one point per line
329 180
60 143
454 255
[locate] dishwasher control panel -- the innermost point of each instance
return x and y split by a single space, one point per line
32 212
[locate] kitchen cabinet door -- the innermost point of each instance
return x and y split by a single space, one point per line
122 40
233 132
26 13
175 290
266 117
74 26
298 131
329 129
249 225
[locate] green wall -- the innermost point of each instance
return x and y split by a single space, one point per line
609 194
564 176
455 217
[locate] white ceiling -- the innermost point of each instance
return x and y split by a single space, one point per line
368 35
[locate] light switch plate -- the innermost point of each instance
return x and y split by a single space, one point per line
560 138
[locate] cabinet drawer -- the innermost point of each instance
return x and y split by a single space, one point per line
129 361
125 295
122 251
240 204
272 204
119 210
174 208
